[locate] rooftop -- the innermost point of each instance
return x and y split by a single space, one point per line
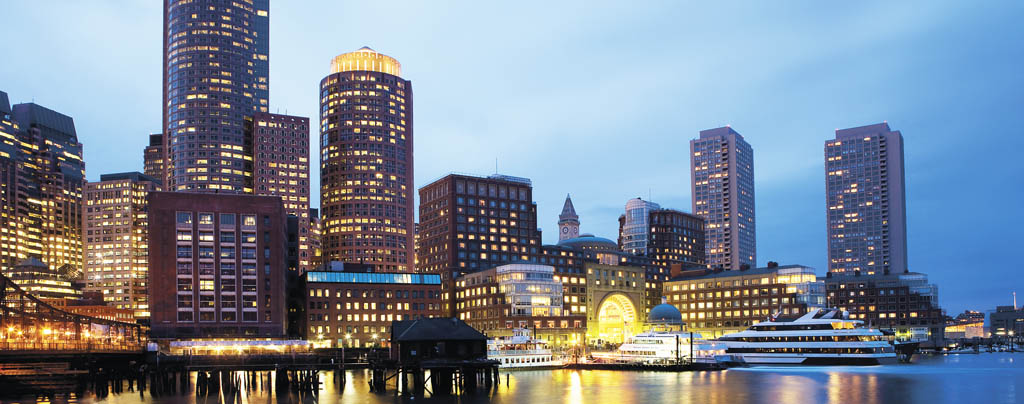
434 329
717 132
713 274
862 131
366 59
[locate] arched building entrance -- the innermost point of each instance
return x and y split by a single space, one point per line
617 319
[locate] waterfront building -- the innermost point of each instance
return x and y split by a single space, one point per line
217 264
1007 321
719 302
568 221
211 86
520 295
676 238
969 324
348 305
153 162
904 303
117 240
722 186
281 165
866 201
469 223
41 179
366 162
633 226
87 306
40 280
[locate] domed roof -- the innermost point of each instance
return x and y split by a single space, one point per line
665 313
590 242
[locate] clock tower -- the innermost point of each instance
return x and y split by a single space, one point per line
568 222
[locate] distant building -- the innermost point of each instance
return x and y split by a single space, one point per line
969 324
568 221
153 158
633 226
719 302
676 238
356 309
519 295
722 184
117 240
217 265
468 224
41 179
904 303
866 201
366 162
1007 321
41 281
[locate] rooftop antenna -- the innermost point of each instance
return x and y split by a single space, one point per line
1015 300
495 165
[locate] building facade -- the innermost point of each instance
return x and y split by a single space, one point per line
633 226
216 265
866 201
1007 321
366 162
281 165
41 179
356 309
568 221
676 238
468 224
117 240
216 74
39 280
722 187
521 295
969 324
904 303
719 302
153 158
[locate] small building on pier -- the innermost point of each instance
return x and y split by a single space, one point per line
436 338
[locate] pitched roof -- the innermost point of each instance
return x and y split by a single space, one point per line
568 211
434 329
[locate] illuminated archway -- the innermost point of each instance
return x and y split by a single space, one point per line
616 318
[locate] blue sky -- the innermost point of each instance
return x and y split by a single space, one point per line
600 100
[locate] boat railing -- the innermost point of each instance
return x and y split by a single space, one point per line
507 352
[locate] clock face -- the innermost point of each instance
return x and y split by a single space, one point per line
565 230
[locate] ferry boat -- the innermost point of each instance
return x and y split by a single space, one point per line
820 337
661 347
521 350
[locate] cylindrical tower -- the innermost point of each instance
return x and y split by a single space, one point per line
366 165
216 75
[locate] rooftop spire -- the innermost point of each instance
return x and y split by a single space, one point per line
568 211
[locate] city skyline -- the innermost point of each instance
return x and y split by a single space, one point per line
790 175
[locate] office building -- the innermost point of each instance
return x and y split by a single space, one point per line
117 240
633 226
904 303
216 265
215 75
676 238
347 305
1007 321
719 302
866 201
722 186
41 281
366 162
153 158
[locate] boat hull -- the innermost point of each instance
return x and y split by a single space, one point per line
804 360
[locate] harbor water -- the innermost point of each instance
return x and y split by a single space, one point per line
977 378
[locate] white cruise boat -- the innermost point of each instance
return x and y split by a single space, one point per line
820 337
662 347
522 351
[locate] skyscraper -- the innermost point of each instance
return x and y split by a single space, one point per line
366 162
153 158
568 221
633 228
281 168
722 185
216 74
866 201
117 240
41 178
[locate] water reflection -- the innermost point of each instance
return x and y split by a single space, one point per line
988 378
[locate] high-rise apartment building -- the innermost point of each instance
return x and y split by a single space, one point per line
633 226
216 265
366 162
117 240
41 178
866 201
281 165
468 224
216 74
675 238
722 185
153 158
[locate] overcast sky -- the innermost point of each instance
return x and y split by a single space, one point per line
600 100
